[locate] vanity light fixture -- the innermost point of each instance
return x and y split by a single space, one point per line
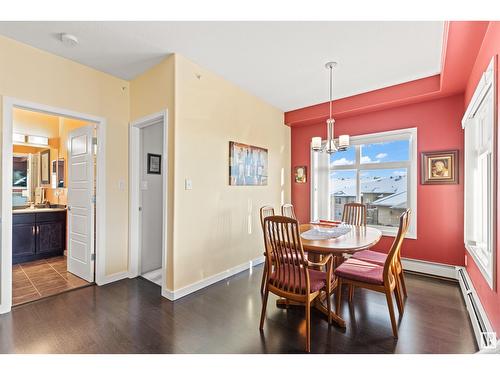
332 145
38 140
18 138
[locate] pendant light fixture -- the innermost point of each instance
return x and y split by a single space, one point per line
332 145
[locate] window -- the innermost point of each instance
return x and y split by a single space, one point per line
378 170
478 123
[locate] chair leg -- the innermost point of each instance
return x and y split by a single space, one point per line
338 296
308 325
399 297
391 312
264 278
264 305
403 283
329 305
351 292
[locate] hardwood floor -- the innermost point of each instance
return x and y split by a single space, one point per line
130 316
41 278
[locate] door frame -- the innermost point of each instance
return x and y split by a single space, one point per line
9 103
134 189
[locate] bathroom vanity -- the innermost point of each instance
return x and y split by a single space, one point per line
38 233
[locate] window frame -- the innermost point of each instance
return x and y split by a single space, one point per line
409 134
485 87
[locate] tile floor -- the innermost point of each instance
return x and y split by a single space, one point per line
42 278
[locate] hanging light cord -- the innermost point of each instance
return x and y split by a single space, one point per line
331 90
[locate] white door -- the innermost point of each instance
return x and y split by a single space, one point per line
80 203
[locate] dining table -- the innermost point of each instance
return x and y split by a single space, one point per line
359 237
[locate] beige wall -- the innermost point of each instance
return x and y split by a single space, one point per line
212 227
152 92
33 75
217 226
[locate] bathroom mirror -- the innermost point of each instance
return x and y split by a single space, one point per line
61 182
45 167
37 175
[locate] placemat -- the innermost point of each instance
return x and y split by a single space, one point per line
325 234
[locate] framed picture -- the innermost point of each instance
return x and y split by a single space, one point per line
300 173
247 165
439 167
154 164
45 166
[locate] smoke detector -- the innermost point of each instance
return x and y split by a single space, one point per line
69 39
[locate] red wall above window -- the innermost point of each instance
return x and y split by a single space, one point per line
439 207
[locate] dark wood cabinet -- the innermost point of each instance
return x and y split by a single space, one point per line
23 240
38 235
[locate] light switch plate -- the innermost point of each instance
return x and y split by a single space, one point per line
121 185
144 185
188 184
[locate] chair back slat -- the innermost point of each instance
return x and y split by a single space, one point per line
394 253
354 214
265 211
288 211
287 255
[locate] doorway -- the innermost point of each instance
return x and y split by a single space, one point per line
52 178
148 198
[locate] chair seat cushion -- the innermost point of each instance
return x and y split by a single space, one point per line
371 256
359 270
285 278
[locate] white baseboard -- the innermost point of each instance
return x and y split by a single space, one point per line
173 295
5 309
112 278
430 268
483 329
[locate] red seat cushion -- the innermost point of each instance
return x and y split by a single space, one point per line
371 256
317 279
359 270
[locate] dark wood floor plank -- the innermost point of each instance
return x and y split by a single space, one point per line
130 316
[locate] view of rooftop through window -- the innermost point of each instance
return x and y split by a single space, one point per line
383 183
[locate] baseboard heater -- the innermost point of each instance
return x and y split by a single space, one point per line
483 331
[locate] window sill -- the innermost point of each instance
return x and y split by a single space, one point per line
488 275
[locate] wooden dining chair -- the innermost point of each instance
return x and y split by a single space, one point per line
376 277
291 275
265 211
288 211
354 214
380 258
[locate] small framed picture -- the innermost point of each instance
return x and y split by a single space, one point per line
439 167
154 164
300 173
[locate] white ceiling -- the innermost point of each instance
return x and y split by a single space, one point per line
280 62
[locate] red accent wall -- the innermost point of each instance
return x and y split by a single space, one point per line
489 298
439 207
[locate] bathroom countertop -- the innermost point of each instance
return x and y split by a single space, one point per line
35 210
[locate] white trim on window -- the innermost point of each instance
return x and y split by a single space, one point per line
480 176
320 181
